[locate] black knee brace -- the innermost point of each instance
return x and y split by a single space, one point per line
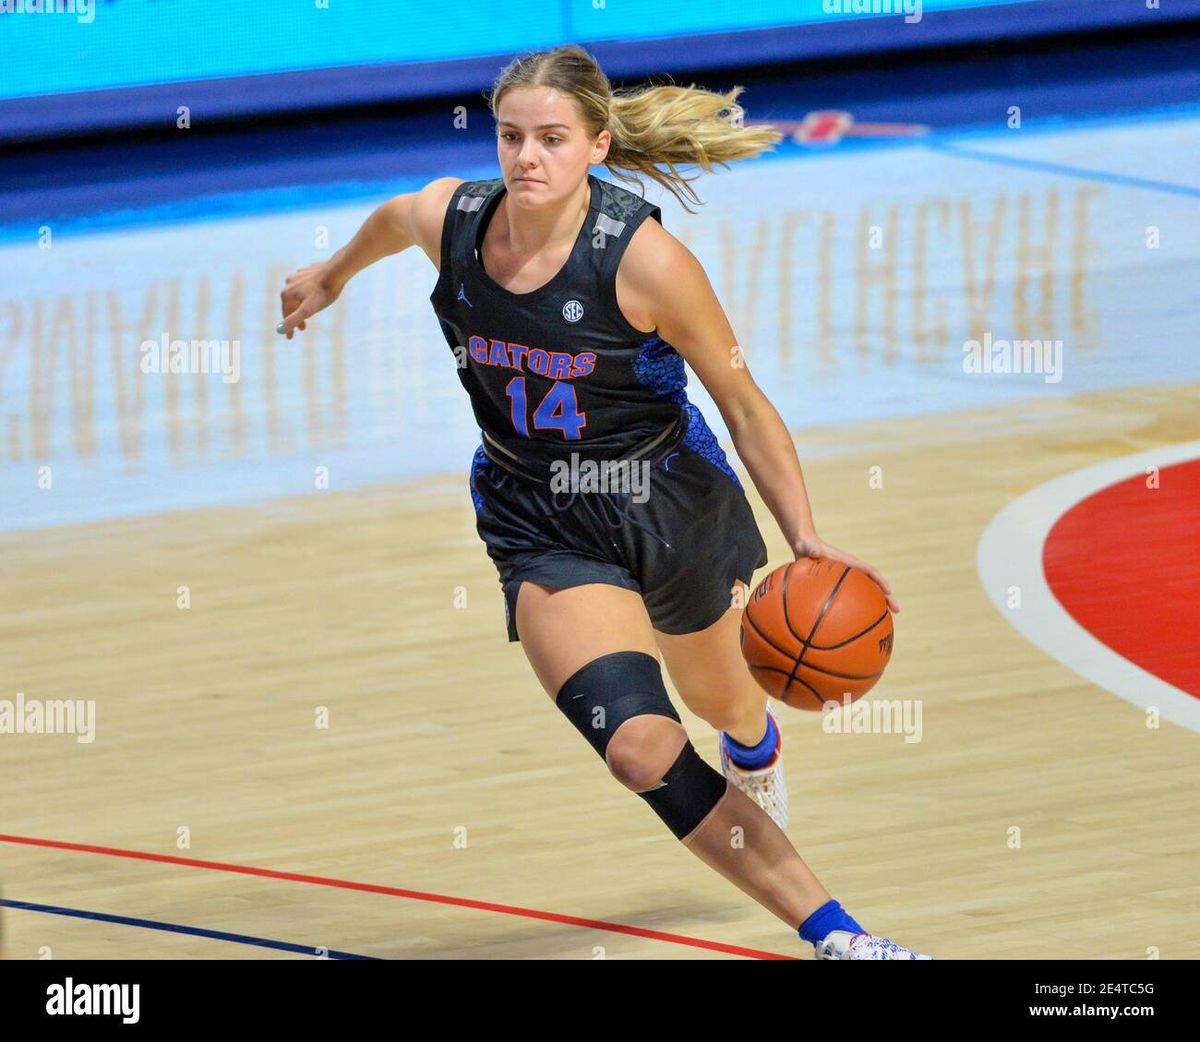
601 695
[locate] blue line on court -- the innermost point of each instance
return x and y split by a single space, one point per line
1123 180
195 931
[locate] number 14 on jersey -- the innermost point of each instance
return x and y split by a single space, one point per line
559 410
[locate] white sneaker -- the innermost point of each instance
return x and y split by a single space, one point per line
765 785
842 944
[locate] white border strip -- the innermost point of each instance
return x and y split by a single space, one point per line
1010 554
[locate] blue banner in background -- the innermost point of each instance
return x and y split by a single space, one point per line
99 44
71 66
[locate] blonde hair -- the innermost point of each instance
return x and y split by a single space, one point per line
649 125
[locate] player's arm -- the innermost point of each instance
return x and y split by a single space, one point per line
408 220
413 219
666 286
660 280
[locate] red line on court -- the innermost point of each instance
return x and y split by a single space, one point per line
392 891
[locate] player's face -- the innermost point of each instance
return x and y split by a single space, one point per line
544 151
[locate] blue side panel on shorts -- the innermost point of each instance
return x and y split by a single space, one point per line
660 368
477 464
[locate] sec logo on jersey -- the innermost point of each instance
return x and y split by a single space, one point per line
572 311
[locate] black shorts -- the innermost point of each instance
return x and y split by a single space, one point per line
681 540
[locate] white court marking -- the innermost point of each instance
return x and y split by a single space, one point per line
1010 554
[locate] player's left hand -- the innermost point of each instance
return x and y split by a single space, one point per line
813 546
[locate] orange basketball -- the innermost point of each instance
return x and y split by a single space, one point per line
817 631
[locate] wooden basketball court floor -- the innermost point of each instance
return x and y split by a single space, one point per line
312 738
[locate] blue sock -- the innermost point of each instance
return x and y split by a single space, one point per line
830 916
752 756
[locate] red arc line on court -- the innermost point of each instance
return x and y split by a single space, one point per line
415 895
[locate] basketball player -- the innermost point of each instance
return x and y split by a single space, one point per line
570 315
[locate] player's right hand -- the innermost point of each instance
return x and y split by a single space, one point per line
305 292
814 546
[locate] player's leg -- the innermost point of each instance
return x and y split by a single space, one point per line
578 641
714 682
713 679
562 629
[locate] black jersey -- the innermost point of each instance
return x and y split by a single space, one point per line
559 370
